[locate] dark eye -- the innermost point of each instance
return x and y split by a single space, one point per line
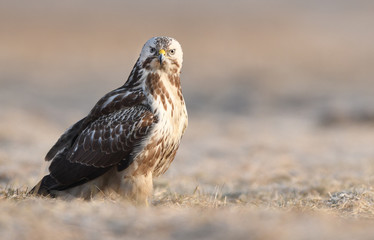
172 51
152 50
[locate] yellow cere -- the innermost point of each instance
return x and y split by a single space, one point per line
162 51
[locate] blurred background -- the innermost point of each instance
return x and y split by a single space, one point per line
272 87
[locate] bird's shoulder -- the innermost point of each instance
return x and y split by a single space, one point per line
116 100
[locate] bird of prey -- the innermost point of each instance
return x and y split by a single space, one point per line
130 136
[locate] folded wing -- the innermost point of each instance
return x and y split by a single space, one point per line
111 140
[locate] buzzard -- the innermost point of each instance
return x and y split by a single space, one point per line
130 136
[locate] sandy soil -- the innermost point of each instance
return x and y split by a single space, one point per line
281 108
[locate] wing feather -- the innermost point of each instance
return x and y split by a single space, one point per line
66 140
104 138
106 142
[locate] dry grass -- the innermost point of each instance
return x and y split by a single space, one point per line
255 215
315 185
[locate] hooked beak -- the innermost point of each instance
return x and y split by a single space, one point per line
161 56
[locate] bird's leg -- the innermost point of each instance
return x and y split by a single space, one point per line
137 188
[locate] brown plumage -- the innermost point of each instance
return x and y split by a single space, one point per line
130 136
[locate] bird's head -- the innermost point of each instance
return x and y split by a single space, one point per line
162 53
